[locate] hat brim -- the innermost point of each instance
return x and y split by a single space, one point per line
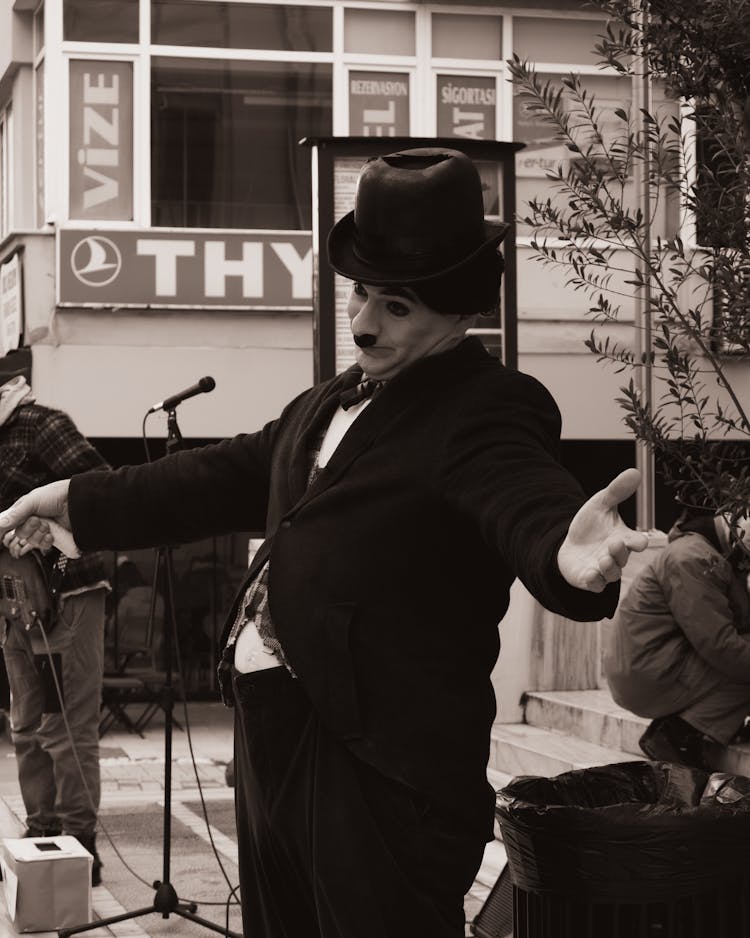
344 260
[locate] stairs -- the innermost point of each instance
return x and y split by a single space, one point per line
573 729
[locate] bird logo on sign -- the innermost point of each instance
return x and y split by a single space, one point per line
96 261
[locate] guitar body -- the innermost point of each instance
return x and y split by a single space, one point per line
26 595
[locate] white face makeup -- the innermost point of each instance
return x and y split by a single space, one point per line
400 328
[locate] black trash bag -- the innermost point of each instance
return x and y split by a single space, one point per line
626 832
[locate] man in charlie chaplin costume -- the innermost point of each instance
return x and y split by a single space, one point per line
400 500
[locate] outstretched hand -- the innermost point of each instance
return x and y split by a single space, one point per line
39 520
598 543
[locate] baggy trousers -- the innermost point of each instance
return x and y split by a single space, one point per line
328 846
49 774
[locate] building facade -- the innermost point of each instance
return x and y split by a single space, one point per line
152 175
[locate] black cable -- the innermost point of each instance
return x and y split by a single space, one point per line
145 438
228 903
188 733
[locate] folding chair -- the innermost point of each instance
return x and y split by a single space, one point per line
136 678
118 690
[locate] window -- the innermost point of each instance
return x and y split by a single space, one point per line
224 139
467 37
542 39
241 25
545 153
100 20
379 32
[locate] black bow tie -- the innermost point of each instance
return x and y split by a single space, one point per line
359 392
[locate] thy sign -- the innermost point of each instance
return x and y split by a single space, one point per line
186 268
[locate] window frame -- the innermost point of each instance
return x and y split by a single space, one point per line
7 187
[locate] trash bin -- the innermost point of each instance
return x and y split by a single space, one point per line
629 850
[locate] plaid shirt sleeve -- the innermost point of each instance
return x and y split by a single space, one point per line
64 449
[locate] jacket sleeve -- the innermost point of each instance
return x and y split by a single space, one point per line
180 498
500 466
696 587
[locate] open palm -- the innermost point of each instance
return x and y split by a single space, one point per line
598 542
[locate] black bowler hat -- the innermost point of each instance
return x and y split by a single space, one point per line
418 215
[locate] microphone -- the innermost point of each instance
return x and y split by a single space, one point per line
202 387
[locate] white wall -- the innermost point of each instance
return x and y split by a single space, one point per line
110 368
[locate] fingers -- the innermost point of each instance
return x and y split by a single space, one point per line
617 554
636 541
593 582
621 487
18 547
17 514
63 540
33 534
609 568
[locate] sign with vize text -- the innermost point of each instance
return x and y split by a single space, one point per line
185 267
101 140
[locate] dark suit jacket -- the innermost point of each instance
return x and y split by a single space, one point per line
390 574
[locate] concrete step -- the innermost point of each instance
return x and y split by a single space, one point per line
591 715
521 749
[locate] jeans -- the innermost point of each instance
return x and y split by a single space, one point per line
59 780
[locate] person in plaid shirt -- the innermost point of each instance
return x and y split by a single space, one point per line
39 445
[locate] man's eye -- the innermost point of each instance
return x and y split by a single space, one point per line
359 289
397 309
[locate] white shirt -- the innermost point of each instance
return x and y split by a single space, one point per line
250 654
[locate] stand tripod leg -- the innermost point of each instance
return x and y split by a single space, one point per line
166 903
99 923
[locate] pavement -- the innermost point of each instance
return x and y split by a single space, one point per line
132 769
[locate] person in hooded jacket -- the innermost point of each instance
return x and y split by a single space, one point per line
680 649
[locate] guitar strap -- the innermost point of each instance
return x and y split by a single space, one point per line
56 577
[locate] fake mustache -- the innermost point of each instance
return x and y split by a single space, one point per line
365 340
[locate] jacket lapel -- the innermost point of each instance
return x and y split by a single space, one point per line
424 379
312 425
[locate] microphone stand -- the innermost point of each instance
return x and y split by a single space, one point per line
166 902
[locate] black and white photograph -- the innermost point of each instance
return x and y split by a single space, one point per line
375 468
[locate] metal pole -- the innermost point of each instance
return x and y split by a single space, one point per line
644 458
